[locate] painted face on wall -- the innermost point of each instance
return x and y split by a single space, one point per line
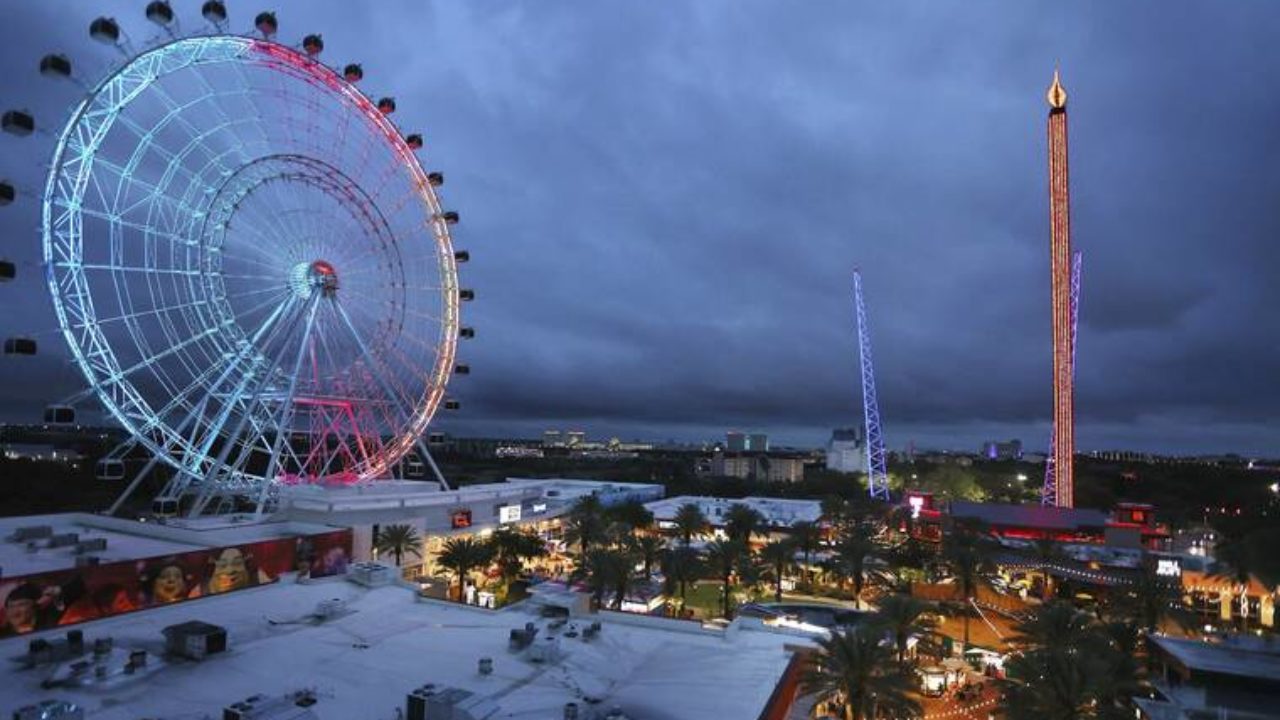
170 585
230 572
20 614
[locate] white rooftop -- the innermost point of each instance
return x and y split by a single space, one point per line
130 539
780 512
362 664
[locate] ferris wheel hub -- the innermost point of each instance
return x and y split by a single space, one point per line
306 279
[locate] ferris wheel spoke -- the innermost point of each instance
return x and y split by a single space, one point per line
286 408
392 394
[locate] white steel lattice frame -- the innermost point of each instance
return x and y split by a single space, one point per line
176 425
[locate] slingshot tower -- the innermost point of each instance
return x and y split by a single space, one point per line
877 474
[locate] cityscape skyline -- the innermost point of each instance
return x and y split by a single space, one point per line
650 300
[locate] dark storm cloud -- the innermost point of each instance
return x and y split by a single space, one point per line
665 203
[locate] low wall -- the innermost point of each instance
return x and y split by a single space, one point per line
41 601
663 623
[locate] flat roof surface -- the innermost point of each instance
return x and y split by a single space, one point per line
1032 516
363 663
1251 661
18 561
133 540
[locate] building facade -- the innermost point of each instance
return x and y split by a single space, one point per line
847 451
770 467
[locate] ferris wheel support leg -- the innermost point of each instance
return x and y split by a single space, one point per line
391 395
435 469
211 486
286 411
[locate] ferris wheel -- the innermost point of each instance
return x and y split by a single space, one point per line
252 271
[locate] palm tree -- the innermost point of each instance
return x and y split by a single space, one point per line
399 540
902 615
584 524
631 513
648 548
850 561
806 536
836 512
1236 560
606 571
1045 551
680 567
690 521
1057 624
511 548
462 555
965 552
723 557
779 556
741 522
1071 667
853 671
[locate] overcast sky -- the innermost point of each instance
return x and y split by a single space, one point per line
664 202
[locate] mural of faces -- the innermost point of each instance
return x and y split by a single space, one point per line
64 597
230 571
20 609
169 585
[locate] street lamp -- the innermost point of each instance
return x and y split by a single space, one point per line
1022 477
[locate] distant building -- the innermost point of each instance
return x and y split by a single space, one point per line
771 467
996 450
847 451
743 442
34 451
552 438
574 438
777 512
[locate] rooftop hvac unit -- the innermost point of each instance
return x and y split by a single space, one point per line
195 639
293 706
64 540
94 545
371 574
546 650
31 532
430 702
49 710
87 560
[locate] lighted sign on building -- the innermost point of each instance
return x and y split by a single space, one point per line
1168 568
509 513
459 519
916 502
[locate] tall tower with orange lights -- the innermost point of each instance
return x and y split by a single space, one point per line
1064 420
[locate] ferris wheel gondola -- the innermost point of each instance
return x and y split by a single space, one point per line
242 250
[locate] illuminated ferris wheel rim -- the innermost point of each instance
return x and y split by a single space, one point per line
74 157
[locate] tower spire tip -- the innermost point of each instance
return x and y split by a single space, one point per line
1057 95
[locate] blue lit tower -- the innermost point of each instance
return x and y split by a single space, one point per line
1049 495
877 475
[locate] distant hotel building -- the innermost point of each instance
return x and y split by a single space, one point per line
996 450
847 451
742 442
758 466
570 438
